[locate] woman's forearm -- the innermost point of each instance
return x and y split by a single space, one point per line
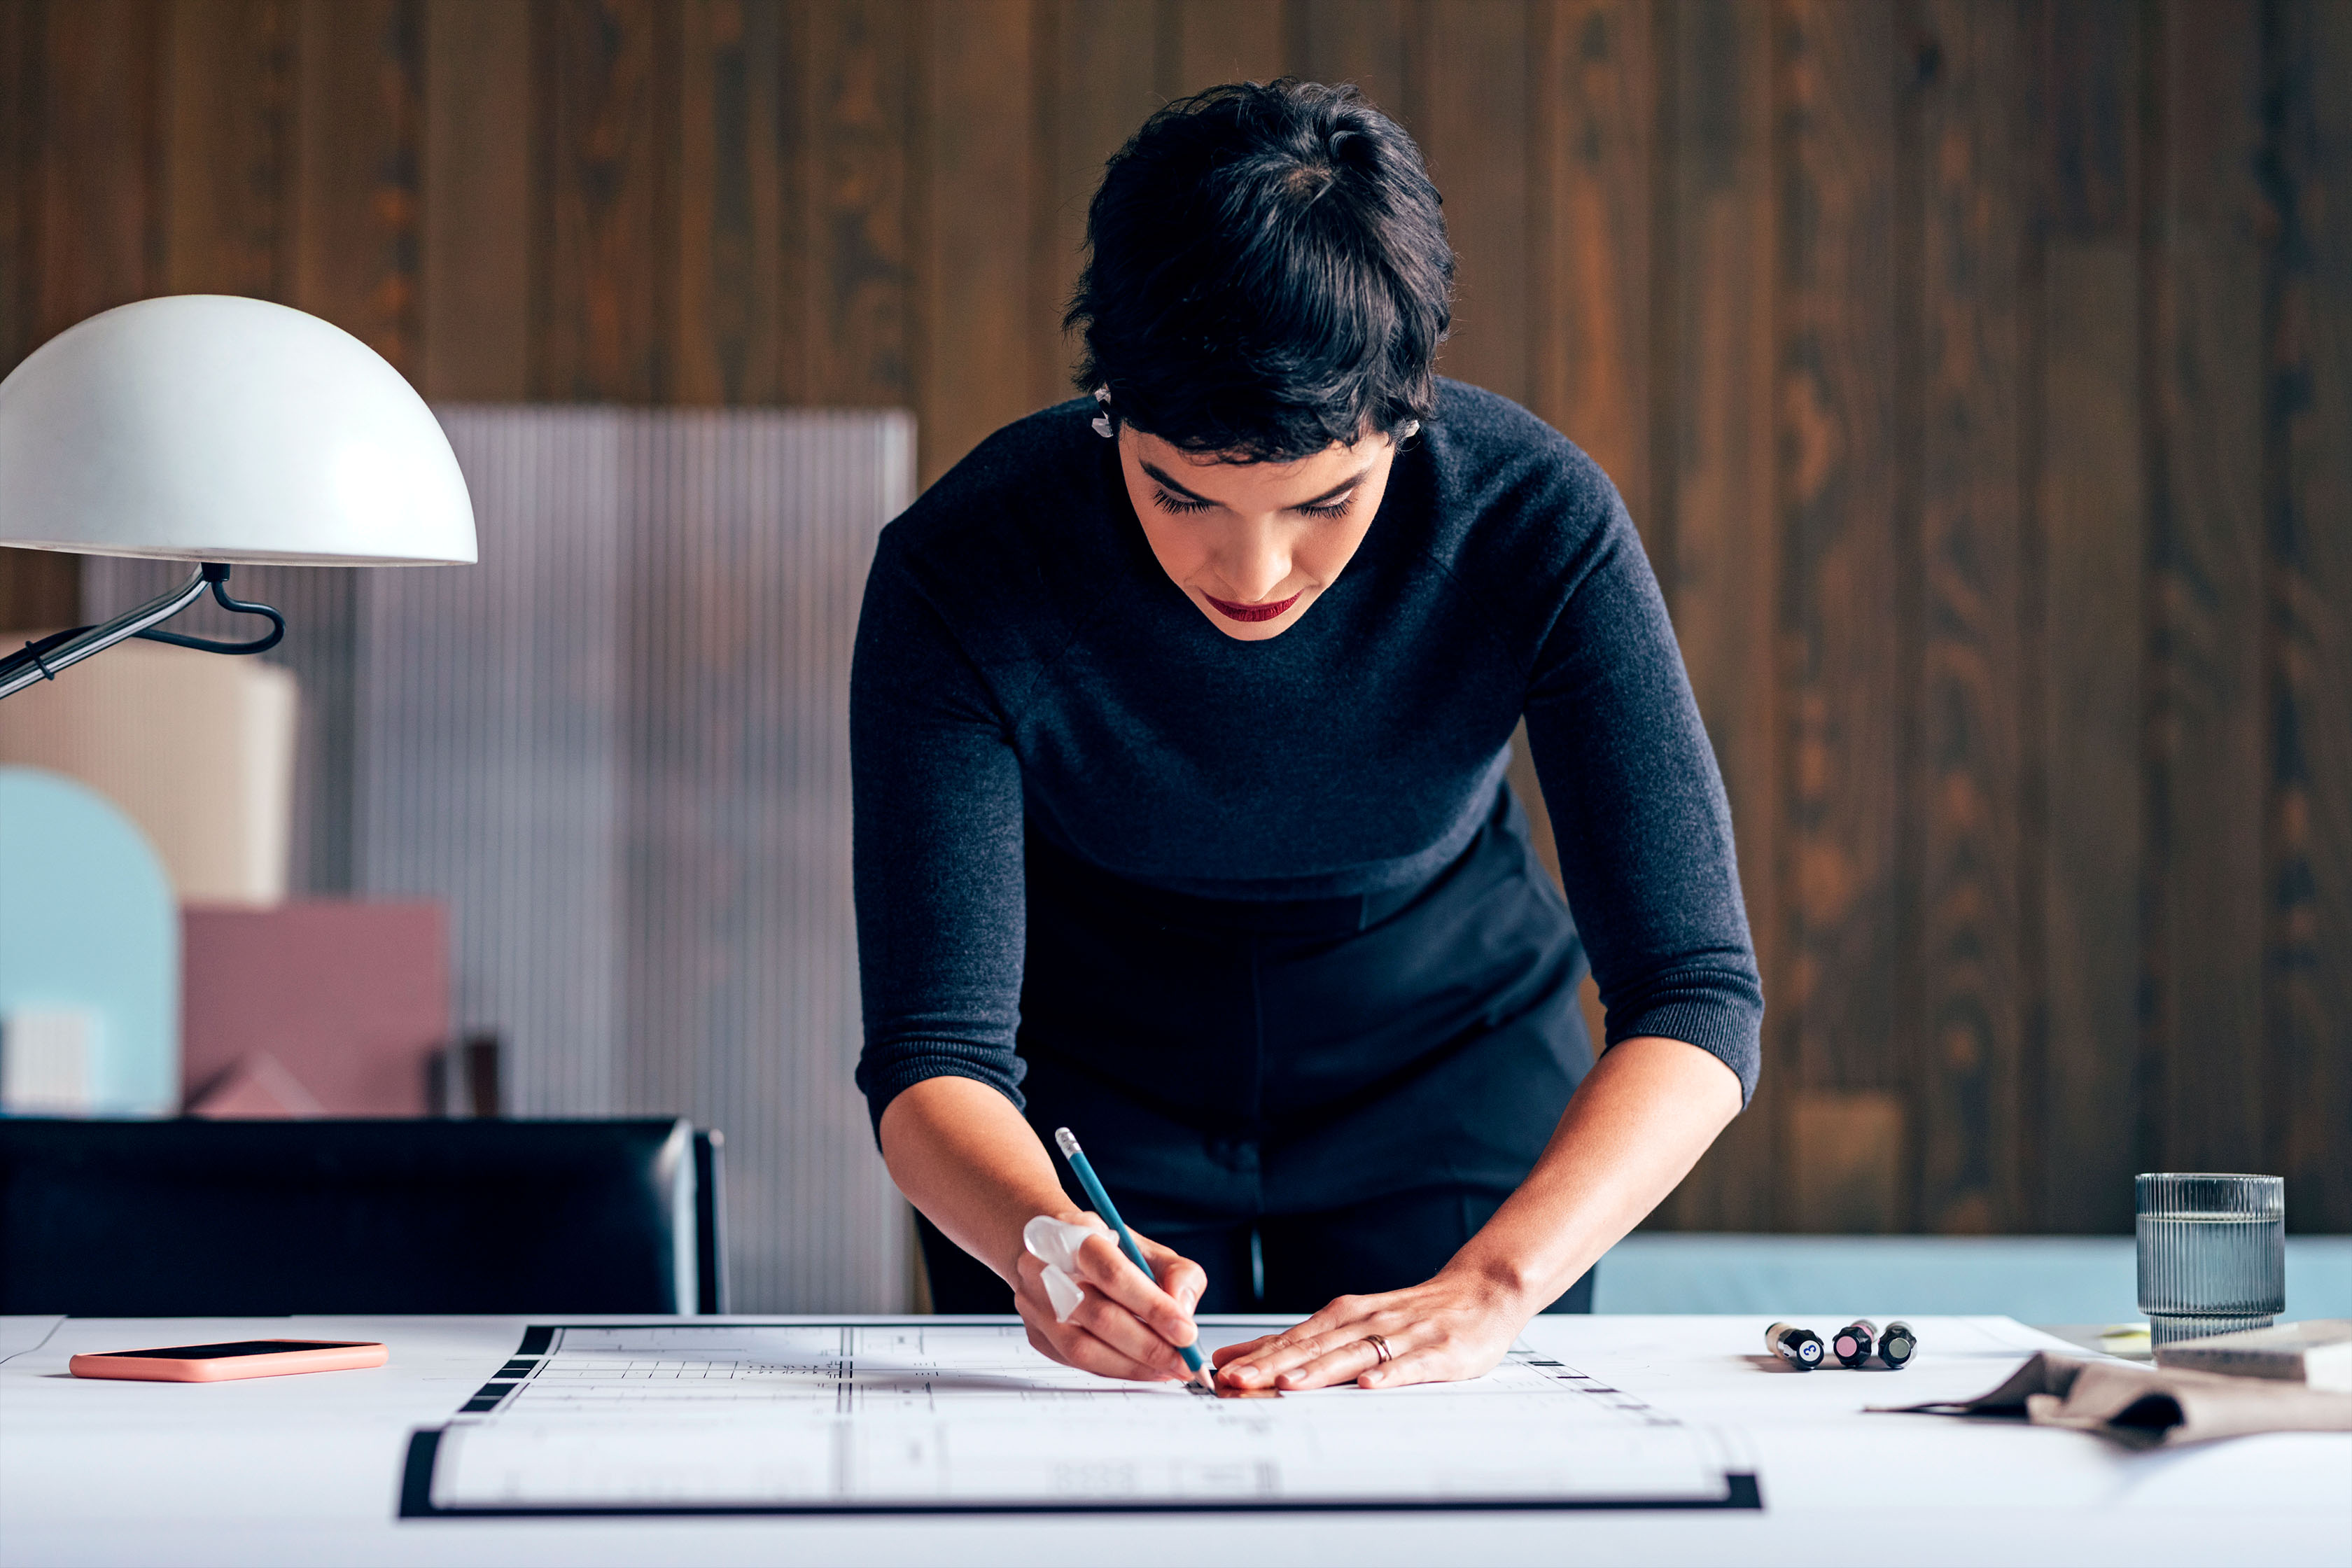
968 1160
1636 1126
963 1156
1633 1129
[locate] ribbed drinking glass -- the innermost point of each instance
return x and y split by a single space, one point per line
2213 1253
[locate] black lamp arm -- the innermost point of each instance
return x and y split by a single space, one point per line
216 573
42 659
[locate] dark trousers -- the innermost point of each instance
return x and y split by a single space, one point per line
1289 1263
1309 1097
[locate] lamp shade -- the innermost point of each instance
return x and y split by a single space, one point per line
211 427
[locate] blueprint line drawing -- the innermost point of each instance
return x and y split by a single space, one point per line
918 1414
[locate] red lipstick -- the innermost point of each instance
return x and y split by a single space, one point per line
1267 612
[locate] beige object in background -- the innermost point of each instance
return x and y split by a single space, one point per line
197 749
2317 1353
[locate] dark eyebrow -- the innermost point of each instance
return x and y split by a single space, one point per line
1161 477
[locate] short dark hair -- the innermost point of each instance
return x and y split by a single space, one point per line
1267 273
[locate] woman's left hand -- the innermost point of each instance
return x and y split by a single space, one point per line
1455 1326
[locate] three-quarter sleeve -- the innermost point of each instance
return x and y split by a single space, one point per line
936 847
1638 809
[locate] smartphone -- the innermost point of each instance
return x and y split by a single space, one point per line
235 1358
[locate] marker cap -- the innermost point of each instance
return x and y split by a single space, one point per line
1852 1344
1800 1348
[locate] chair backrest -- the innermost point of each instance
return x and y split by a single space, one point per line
202 1218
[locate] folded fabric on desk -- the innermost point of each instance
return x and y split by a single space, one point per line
2146 1407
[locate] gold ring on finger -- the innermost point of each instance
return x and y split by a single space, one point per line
1380 1349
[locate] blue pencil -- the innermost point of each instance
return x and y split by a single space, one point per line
1068 1142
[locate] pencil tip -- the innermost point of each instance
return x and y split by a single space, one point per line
1065 1140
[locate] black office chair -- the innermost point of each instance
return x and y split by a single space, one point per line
203 1219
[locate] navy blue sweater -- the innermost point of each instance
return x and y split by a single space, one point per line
1025 665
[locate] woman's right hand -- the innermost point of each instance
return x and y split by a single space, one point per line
1127 1327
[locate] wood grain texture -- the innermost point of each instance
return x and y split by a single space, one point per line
41 590
1971 490
2091 542
603 173
1357 41
99 213
359 113
1717 367
1212 41
976 231
1469 107
1594 110
1855 1144
38 588
91 219
737 182
1098 90
855 317
230 66
22 80
1842 643
474 261
2308 997
1975 372
2207 733
2087 60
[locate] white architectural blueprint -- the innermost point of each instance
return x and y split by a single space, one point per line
922 1413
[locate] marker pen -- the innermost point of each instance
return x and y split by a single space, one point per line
1800 1348
1897 1345
1851 1343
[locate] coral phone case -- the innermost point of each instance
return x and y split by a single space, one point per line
238 1358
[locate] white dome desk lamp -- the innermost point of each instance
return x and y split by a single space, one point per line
225 431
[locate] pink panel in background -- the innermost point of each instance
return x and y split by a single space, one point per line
318 1009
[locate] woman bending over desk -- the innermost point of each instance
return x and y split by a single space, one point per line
1180 719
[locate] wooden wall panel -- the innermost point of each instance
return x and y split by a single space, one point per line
975 228
1467 102
476 188
855 320
1205 42
1717 366
2084 801
1097 91
1590 211
602 172
38 588
1971 490
355 170
227 157
100 212
1841 628
2308 1002
2204 847
738 178
21 111
1975 373
1358 41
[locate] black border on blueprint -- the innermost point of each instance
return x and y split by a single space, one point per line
425 1446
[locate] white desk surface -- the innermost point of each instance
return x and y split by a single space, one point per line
305 1470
